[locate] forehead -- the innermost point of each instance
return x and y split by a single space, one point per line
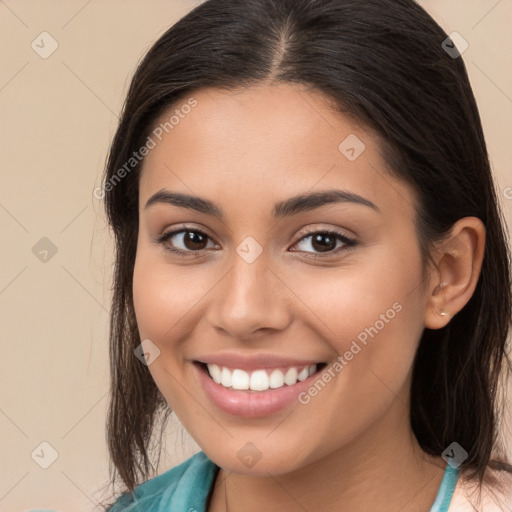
265 140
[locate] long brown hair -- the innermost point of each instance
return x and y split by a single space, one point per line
383 62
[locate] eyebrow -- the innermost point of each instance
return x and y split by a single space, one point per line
286 208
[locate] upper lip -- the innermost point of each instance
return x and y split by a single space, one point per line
255 361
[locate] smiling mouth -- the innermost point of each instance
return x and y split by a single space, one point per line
259 380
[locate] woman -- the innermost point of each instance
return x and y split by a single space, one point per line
311 266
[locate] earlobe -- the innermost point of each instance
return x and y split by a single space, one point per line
455 276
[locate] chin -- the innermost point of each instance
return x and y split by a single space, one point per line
248 459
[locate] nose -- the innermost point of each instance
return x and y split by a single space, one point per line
250 300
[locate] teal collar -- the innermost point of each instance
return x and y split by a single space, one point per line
445 493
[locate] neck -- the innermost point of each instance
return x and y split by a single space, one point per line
382 469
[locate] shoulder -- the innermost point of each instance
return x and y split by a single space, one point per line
182 485
495 495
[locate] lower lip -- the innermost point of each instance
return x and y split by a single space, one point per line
252 404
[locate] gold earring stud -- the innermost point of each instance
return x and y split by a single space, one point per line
443 313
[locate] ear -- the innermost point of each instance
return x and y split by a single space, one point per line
458 261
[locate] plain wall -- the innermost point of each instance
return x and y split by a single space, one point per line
58 116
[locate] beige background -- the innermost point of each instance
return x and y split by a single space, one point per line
58 117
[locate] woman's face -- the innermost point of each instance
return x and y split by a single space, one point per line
266 289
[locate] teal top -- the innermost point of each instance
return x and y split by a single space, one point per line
186 488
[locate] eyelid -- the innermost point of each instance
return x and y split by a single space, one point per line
162 239
312 230
348 242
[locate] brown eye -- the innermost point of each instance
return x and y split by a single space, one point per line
185 240
324 242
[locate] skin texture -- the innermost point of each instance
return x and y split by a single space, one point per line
352 443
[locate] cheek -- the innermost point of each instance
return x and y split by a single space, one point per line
371 314
373 322
164 296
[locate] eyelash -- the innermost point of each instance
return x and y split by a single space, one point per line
348 242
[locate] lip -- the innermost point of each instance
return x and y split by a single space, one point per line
248 403
255 362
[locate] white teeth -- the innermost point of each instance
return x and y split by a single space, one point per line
215 372
259 380
303 374
290 377
276 379
240 379
225 378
